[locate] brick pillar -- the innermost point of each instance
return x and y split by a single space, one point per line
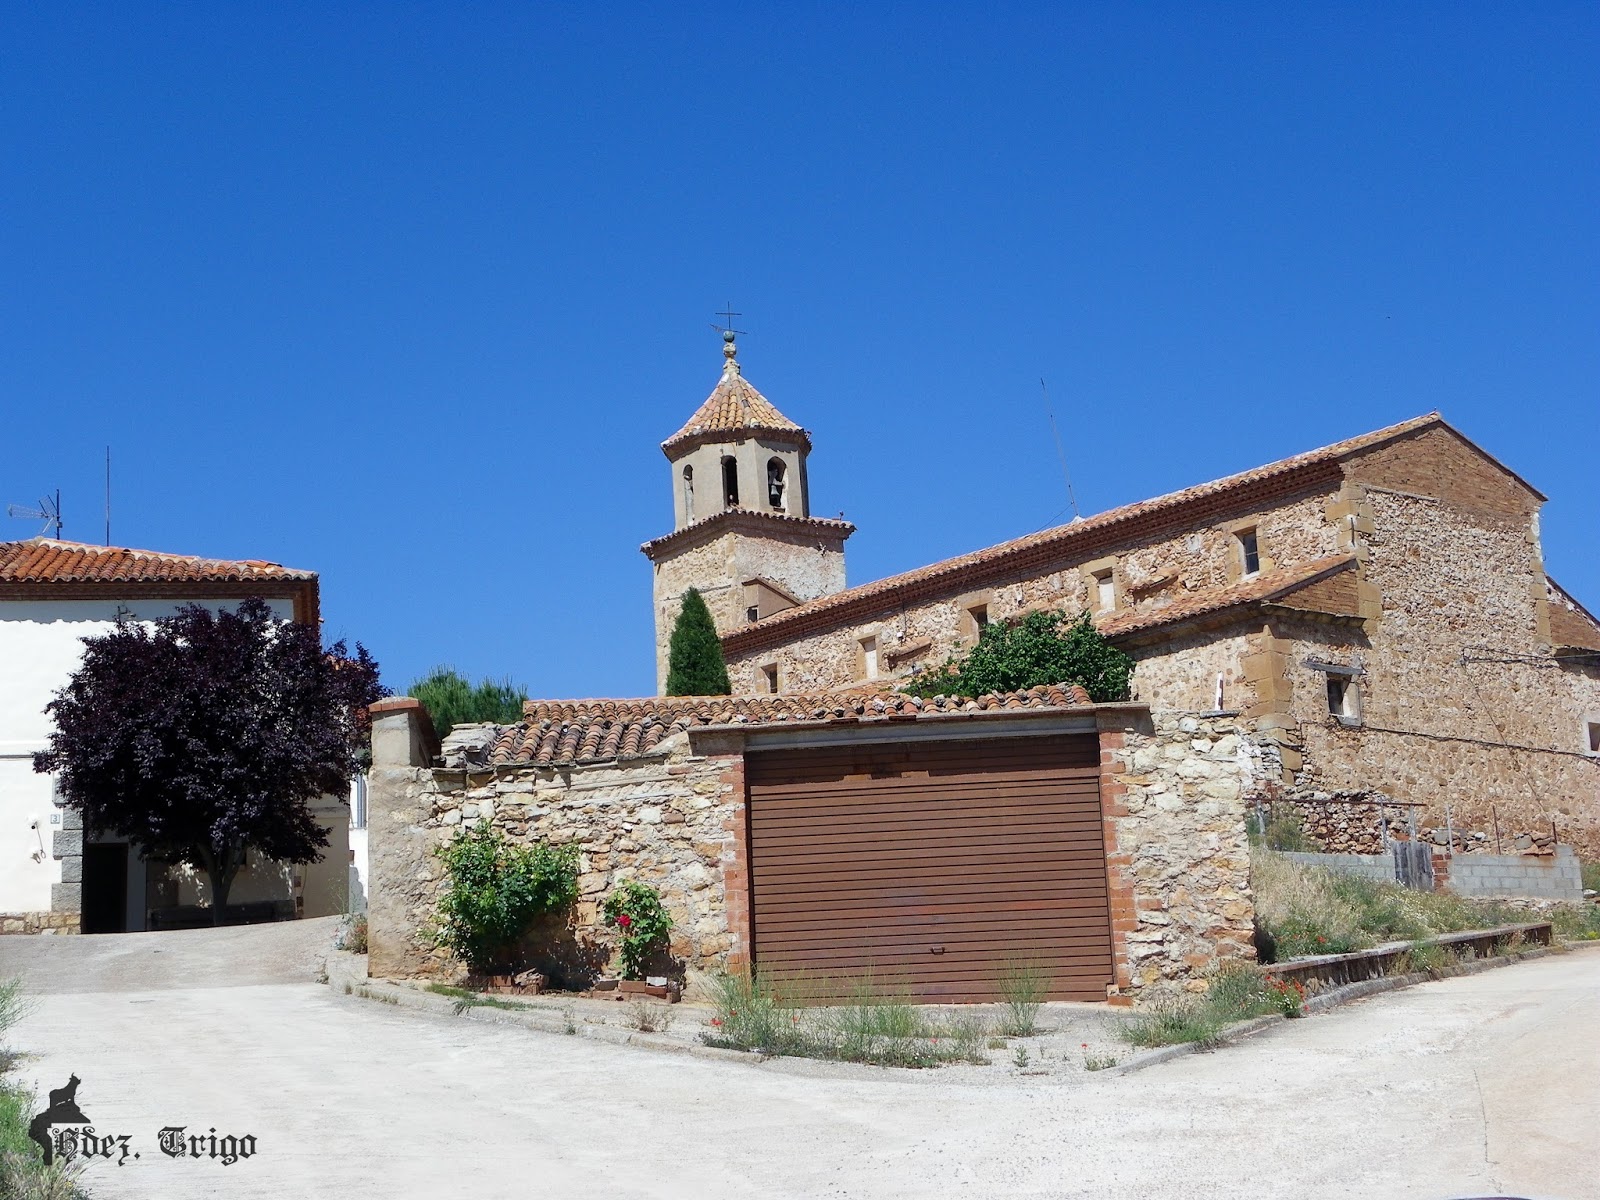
1119 865
736 867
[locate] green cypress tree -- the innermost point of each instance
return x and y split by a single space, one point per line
695 666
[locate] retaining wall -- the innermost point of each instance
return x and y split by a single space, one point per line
1377 867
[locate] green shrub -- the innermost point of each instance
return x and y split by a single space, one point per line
1040 649
497 889
1023 984
451 699
1281 827
1576 922
636 911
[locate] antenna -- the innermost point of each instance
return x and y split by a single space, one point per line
108 495
1060 452
49 511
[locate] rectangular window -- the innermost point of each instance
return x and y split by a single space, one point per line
769 678
1105 591
1344 698
869 657
1250 552
980 615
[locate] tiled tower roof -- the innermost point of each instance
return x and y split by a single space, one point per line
734 407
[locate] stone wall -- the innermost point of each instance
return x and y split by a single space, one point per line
667 818
1176 789
39 922
1149 573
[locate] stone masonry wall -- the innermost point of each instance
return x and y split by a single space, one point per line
669 819
1149 575
1461 702
38 922
1175 790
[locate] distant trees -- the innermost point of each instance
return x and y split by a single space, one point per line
695 666
206 737
452 700
1042 648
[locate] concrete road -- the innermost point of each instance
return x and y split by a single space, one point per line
1483 1085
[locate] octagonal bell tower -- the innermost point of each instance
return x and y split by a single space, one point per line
743 532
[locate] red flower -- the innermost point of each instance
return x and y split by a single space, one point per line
716 1020
624 920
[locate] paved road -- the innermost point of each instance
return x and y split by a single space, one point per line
1487 1084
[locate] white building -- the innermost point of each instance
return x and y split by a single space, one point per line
53 594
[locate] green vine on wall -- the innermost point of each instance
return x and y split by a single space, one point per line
1039 650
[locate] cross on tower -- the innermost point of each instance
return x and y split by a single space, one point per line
728 314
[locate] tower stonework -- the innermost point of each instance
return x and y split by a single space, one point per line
743 532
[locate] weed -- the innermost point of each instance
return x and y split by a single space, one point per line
354 937
1099 1062
997 1043
569 1022
649 1018
1577 922
348 989
1591 876
1023 984
1235 993
1020 1056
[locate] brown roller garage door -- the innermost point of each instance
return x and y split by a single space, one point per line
931 863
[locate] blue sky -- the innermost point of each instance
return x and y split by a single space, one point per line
409 294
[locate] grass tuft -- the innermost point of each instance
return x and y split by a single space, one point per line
1023 984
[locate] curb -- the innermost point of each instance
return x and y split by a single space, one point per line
1320 1003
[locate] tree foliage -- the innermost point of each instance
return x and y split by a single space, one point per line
695 666
1041 649
451 699
206 737
497 890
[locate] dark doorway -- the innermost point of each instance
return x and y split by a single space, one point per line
105 887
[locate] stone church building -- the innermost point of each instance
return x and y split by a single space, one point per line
1378 610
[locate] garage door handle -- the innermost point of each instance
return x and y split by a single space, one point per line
935 949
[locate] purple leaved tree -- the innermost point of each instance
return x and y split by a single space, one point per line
207 736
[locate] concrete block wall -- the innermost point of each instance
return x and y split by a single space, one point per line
1377 867
1538 877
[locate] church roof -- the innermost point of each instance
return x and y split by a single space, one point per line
734 407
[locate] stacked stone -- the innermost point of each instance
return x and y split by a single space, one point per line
39 922
1180 827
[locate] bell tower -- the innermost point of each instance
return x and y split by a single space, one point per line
743 532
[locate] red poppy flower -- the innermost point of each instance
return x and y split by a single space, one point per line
716 1021
624 920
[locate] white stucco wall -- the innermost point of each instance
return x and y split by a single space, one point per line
41 645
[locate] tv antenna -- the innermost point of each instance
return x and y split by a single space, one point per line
49 511
1061 453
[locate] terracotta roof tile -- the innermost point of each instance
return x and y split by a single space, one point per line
733 406
964 570
1266 587
565 732
1572 626
51 561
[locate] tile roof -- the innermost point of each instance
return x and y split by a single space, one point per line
1572 626
752 520
51 561
965 571
734 406
1266 587
562 732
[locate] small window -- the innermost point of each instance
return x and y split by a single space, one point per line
775 483
730 483
1250 552
978 617
1594 737
769 678
688 494
1105 591
869 657
1344 698
753 613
